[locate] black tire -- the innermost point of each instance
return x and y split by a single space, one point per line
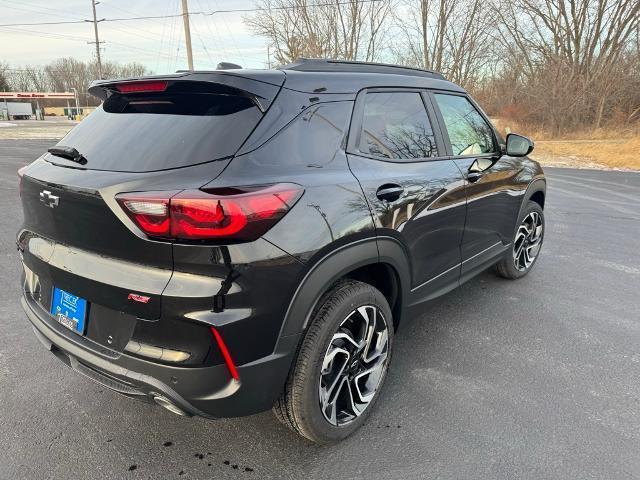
299 405
507 267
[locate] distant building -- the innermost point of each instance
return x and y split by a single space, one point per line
45 103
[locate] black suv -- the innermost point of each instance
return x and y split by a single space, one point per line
226 242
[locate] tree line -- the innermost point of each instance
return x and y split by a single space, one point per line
64 74
557 65
560 65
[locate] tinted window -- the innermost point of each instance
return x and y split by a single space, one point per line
156 132
314 137
468 132
396 125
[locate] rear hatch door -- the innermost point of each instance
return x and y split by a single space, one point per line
76 237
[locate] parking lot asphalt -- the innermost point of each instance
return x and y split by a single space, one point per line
537 378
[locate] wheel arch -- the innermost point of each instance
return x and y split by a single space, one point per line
538 196
362 260
536 192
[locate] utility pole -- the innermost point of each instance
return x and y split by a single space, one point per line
187 33
95 31
75 94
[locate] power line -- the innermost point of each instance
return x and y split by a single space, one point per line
233 40
41 23
46 34
267 9
40 9
214 12
217 38
195 30
73 37
164 27
174 37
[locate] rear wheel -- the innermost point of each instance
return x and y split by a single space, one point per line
527 243
341 364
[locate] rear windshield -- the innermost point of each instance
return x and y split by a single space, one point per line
158 131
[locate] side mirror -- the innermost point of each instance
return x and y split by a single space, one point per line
518 146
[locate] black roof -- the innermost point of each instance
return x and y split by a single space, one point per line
313 76
327 65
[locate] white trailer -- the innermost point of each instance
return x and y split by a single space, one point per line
20 110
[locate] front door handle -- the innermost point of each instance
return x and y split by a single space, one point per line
478 167
474 176
389 192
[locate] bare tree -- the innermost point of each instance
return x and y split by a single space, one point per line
567 52
349 30
449 36
4 76
64 74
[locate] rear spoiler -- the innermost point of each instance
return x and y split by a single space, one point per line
261 85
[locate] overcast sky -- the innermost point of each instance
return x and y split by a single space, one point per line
158 43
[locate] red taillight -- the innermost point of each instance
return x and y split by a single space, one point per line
199 215
149 210
230 213
142 87
233 371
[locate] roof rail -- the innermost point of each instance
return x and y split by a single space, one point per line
328 65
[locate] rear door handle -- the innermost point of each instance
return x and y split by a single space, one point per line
389 192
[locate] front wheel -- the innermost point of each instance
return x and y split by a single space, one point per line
341 364
527 243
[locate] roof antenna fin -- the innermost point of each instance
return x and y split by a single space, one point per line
228 66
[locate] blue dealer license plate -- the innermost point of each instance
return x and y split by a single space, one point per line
69 310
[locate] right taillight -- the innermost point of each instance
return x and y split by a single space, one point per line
238 213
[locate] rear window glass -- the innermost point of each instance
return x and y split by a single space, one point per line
142 133
396 125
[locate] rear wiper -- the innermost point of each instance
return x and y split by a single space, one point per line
69 153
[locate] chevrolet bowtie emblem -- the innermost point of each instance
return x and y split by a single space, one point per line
48 199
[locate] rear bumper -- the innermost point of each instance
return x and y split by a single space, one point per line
205 391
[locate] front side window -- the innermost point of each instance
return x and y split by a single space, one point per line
468 131
396 126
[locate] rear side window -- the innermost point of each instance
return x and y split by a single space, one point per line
313 138
396 126
468 131
159 131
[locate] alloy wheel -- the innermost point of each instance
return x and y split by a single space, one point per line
528 241
354 364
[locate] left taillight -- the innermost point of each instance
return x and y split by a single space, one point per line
149 211
238 213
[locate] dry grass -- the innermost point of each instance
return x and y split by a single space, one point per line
602 148
620 153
